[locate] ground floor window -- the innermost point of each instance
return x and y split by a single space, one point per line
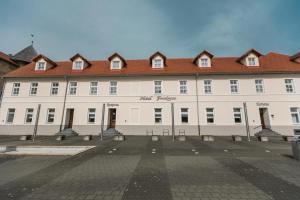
10 115
91 115
237 115
295 115
29 115
50 115
210 118
157 115
184 115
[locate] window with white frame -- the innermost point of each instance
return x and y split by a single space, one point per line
251 61
16 89
10 115
158 63
184 115
237 114
50 115
183 87
259 85
29 115
204 62
289 85
234 86
157 87
157 115
54 88
33 89
72 88
92 115
116 64
93 88
113 87
295 115
41 65
207 86
78 65
210 116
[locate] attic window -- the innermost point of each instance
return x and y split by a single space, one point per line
78 65
116 64
158 63
41 65
204 62
251 61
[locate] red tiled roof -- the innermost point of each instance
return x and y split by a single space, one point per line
6 58
270 63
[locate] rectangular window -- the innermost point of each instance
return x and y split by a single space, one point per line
207 86
289 85
72 88
295 115
33 89
54 88
204 62
29 115
183 87
16 89
92 115
210 117
234 87
41 66
184 115
157 115
94 88
157 63
157 87
251 61
50 115
78 65
116 64
237 115
10 115
259 85
113 87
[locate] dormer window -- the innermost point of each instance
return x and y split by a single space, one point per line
41 65
250 58
251 61
116 64
158 60
79 62
78 65
204 62
158 63
204 59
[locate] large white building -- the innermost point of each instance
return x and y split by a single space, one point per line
205 95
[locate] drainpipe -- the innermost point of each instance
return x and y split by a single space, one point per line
102 121
173 126
247 121
36 122
197 98
64 103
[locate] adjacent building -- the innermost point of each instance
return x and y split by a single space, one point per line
204 95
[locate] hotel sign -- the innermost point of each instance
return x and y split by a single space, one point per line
262 104
157 98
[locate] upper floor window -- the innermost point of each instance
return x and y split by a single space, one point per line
207 86
33 89
237 114
92 115
210 116
183 87
259 85
113 87
41 65
78 65
54 88
116 64
29 115
15 89
50 115
157 87
234 86
295 115
252 61
10 115
289 85
94 88
157 115
158 63
72 88
184 115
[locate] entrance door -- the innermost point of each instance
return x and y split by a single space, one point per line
69 119
264 117
112 114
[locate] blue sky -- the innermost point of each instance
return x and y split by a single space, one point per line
137 28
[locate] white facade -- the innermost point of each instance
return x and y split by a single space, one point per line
135 102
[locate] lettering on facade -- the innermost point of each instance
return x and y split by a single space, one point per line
112 104
158 98
262 104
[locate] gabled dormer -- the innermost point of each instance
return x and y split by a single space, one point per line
295 58
116 62
250 58
79 62
158 60
204 59
42 63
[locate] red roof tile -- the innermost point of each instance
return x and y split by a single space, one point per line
6 58
270 63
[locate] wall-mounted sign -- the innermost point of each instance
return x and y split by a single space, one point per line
262 104
112 104
157 98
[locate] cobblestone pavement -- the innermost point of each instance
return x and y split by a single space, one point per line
139 168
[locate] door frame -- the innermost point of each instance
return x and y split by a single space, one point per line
69 118
111 123
264 117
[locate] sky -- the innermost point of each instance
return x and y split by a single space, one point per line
137 28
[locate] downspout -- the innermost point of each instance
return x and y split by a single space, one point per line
197 98
246 121
102 121
64 104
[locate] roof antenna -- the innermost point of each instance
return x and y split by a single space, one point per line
32 36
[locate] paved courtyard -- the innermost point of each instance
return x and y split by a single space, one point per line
141 169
